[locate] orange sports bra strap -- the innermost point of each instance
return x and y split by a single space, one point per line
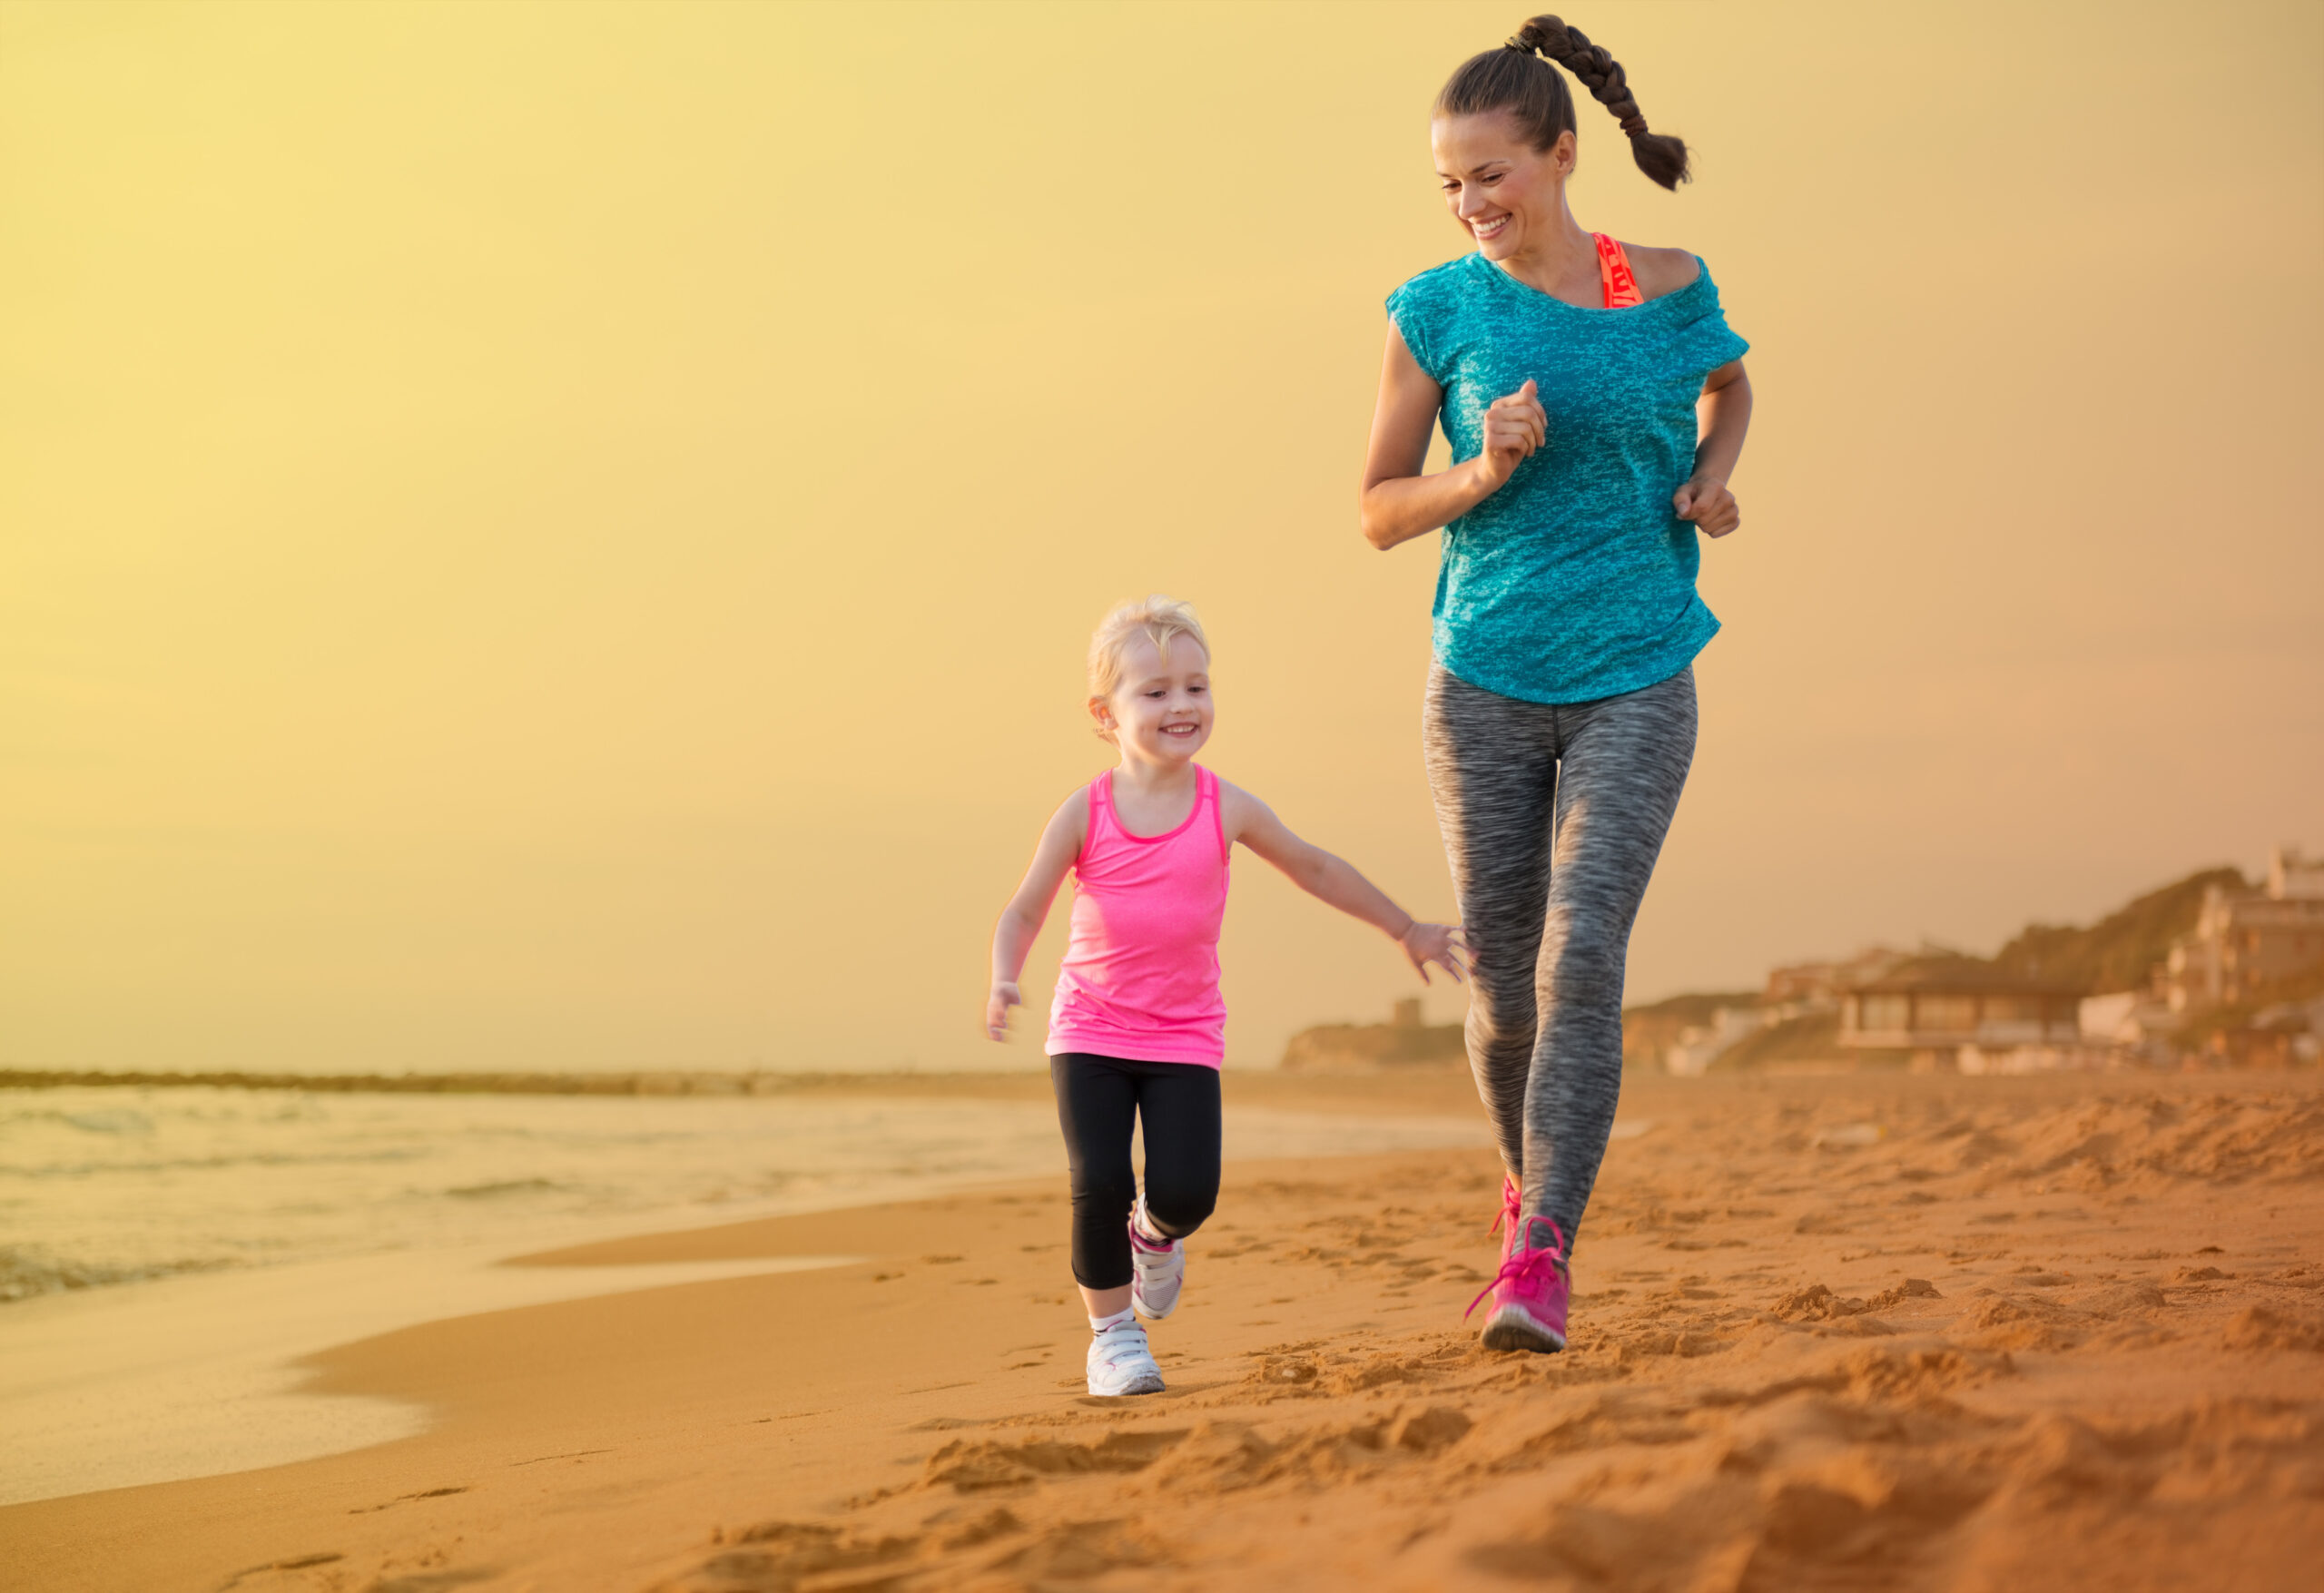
1614 271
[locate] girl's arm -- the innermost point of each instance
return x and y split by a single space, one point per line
1028 910
1723 415
1397 502
1333 880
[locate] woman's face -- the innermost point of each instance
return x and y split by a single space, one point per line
1505 193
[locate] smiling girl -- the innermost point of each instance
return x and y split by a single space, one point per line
1596 404
1138 1030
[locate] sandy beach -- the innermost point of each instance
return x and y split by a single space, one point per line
1860 1332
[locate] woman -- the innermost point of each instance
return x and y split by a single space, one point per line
1596 404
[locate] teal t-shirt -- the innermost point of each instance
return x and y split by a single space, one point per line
1576 580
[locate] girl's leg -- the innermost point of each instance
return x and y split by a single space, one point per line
1492 769
1625 762
1097 1106
1178 1116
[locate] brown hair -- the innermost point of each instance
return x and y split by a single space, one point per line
1513 78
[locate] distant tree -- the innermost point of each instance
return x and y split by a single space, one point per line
2118 952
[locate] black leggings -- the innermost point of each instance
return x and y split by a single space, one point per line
1098 1099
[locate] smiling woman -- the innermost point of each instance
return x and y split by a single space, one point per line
1595 401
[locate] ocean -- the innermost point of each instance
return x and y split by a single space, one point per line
108 1187
168 1253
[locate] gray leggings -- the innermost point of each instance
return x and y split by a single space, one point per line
1553 814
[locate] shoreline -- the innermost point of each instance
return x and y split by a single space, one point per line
1426 1079
2119 1375
179 1376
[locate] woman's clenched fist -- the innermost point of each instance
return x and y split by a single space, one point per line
1705 501
1515 425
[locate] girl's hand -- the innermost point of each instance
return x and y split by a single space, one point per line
1441 944
1514 427
996 1008
1705 501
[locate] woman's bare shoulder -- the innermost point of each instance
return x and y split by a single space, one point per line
1661 271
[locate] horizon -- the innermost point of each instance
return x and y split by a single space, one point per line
683 1081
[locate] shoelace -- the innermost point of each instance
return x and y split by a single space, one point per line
1524 1267
1510 1200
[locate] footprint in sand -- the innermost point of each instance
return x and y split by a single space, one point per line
296 1563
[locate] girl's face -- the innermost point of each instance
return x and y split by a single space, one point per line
1160 714
1506 194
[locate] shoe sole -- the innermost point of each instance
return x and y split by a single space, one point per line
1144 1385
1513 1327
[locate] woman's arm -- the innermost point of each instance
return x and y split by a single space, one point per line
1335 882
1021 920
1397 502
1723 414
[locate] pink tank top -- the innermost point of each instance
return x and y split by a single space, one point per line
1140 976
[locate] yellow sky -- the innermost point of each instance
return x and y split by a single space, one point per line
562 536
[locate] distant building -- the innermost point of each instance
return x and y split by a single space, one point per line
1702 1044
2243 942
1979 1059
2294 877
1810 983
1935 1006
2105 1018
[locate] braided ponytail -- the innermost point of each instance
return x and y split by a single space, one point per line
1510 79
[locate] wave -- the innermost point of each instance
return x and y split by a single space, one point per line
117 1187
126 1120
505 1186
216 1163
28 1272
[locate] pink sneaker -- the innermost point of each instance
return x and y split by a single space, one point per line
1530 1297
1512 1215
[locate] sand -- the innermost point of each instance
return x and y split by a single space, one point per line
1902 1332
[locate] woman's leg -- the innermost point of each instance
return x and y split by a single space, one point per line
1493 770
1179 1116
1625 760
1096 1106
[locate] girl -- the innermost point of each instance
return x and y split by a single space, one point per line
1596 404
1136 1030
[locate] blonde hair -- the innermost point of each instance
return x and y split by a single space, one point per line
1159 618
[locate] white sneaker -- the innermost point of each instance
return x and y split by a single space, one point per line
1157 1272
1120 1363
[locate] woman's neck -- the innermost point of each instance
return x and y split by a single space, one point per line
1559 266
